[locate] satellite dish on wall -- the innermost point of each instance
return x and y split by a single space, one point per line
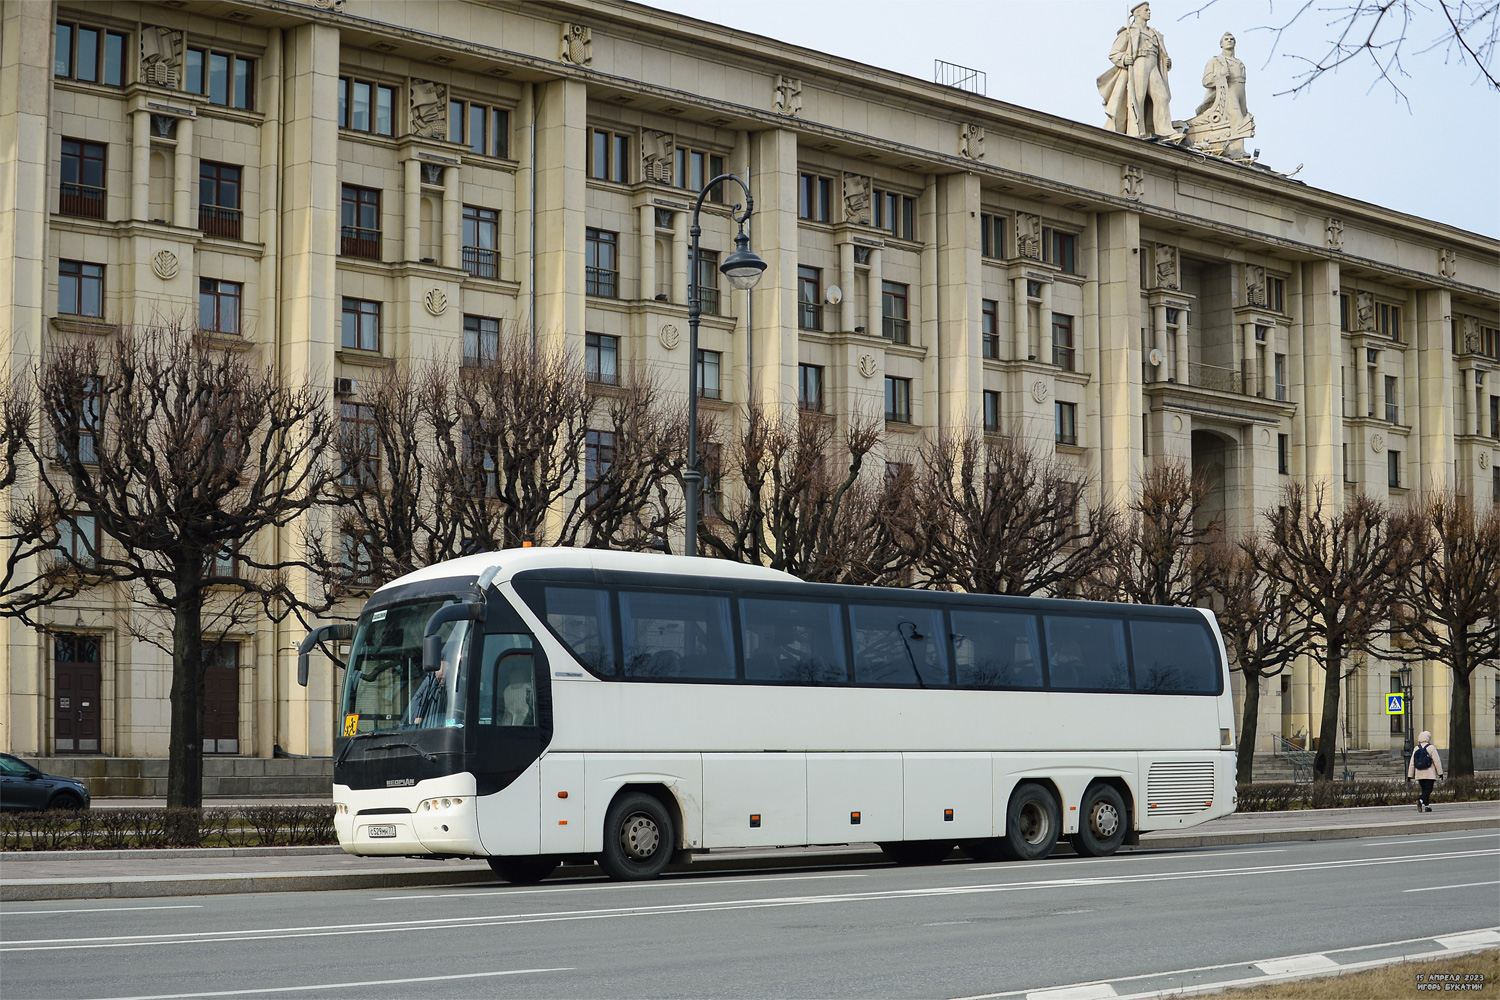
1155 357
835 295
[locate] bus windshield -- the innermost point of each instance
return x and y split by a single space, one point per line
386 690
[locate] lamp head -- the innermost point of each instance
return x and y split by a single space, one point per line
743 268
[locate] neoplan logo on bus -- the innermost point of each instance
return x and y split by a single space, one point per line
400 782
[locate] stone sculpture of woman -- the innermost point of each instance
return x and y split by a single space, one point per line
1222 122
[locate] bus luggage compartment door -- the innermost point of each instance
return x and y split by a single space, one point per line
854 797
754 799
948 795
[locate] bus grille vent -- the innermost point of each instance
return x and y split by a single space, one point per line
1176 788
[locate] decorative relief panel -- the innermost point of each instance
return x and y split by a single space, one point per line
669 337
1255 285
164 263
429 108
435 301
1448 263
1364 309
868 366
1029 235
1039 391
1471 335
337 6
1166 267
1334 234
432 173
788 99
857 199
577 45
1484 460
656 155
1132 182
161 56
1377 443
971 141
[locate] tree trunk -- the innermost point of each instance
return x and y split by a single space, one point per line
1461 735
185 755
1245 756
1328 728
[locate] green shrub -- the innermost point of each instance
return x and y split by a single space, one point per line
1274 796
123 829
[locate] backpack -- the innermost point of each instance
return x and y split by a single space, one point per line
1422 759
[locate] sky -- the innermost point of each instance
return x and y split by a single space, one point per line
1437 156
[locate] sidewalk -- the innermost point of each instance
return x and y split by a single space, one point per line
41 875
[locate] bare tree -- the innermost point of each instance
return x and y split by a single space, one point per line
1342 571
999 519
1163 557
1450 608
161 462
1260 631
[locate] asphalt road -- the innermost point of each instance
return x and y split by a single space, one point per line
1144 921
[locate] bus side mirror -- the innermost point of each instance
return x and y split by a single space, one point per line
432 643
341 630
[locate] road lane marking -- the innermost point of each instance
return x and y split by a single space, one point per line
1463 885
1101 991
947 923
1473 939
1409 841
1298 966
676 883
339 986
102 909
669 909
1134 855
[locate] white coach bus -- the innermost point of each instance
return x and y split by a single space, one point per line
534 706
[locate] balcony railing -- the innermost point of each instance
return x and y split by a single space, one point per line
708 301
81 200
221 222
895 329
809 315
482 263
1214 377
1063 357
1392 413
358 242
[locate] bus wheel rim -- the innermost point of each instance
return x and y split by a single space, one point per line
640 836
1105 820
1033 823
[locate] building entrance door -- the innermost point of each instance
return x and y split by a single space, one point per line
75 694
221 699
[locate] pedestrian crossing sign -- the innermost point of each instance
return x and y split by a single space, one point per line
1395 704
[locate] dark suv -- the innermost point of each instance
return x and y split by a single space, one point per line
24 787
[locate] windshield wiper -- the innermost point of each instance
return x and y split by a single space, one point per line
392 746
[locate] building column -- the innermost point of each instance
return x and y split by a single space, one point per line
846 283
682 249
959 280
1322 401
1042 346
1020 320
183 175
140 166
876 302
561 190
1119 353
1159 335
1249 377
452 219
1183 318
645 215
411 210
773 334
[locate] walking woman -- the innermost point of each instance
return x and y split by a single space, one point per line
1427 767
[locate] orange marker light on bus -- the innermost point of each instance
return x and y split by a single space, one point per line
562 795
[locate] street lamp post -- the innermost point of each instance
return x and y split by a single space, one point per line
1409 742
743 269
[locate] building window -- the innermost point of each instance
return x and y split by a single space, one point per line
1388 320
92 55
1061 249
810 387
1284 454
80 289
1392 406
78 539
1393 469
481 241
601 265
219 305
1276 294
1343 312
1348 472
81 190
226 78
989 328
601 358
708 282
86 424
694 168
708 374
895 319
896 213
359 444
1280 363
484 129
991 410
361 324
219 200
809 298
598 456
898 400
1067 423
609 156
1495 484
361 223
481 341
366 106
814 196
992 236
1062 342
1495 417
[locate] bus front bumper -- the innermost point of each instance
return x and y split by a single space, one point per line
436 817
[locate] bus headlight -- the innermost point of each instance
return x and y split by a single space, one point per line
437 805
341 809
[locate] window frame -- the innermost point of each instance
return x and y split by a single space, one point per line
709 166
1064 355
809 310
991 411
989 329
810 377
357 427
361 204
895 312
103 39
485 331
992 230
481 261
496 120
233 98
596 347
601 280
86 201
83 274
709 361
219 294
611 162
219 216
1061 410
362 310
347 86
895 213
814 197
710 299
898 400
1060 247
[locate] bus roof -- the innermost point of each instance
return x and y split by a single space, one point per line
513 561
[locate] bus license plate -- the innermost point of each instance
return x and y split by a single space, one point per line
384 830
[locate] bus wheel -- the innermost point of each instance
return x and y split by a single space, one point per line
523 871
1032 823
917 852
1101 830
638 838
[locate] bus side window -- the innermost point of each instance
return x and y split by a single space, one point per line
507 682
793 642
1174 658
581 617
672 635
1086 654
996 649
899 646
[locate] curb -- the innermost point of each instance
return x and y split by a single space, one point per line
123 887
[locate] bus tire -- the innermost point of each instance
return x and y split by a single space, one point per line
1032 824
1103 823
523 870
639 838
917 852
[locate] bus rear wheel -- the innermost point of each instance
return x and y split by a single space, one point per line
917 852
522 871
639 838
1032 823
1101 830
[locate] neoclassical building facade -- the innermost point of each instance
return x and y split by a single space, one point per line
343 183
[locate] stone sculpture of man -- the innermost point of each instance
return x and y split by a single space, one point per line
1222 122
1136 97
